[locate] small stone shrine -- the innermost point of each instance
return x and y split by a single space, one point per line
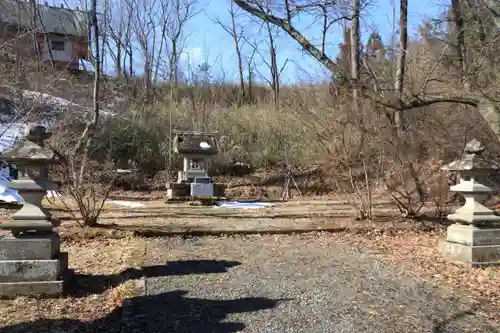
196 149
30 259
474 239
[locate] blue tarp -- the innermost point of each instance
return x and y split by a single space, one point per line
6 194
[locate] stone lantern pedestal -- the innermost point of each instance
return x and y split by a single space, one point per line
474 239
31 263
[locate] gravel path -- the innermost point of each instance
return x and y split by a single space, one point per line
286 284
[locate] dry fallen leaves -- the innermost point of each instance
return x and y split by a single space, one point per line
89 257
417 253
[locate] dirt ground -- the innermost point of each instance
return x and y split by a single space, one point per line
416 253
387 235
97 287
309 214
100 263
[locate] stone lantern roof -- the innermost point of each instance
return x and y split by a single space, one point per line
194 144
32 150
472 159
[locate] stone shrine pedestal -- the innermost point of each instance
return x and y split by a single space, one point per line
474 239
31 263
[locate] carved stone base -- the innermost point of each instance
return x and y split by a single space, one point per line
32 265
472 245
21 226
181 191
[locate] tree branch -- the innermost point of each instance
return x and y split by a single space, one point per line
292 32
394 104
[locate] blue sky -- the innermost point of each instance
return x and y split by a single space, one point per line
208 42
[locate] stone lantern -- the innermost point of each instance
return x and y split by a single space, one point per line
474 238
30 259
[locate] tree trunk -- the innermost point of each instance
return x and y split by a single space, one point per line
458 19
273 66
118 61
355 50
238 54
401 65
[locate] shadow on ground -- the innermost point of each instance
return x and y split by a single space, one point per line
441 325
166 312
81 285
174 312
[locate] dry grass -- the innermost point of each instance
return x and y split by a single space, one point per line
87 257
322 213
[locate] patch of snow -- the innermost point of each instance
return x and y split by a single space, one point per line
56 101
244 205
5 117
124 171
53 194
11 130
205 145
48 98
131 204
9 133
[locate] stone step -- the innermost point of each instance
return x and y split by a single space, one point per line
33 289
33 270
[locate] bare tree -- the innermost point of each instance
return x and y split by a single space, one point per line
118 25
181 12
37 21
417 99
275 71
77 162
250 60
286 24
236 34
269 57
158 28
145 23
